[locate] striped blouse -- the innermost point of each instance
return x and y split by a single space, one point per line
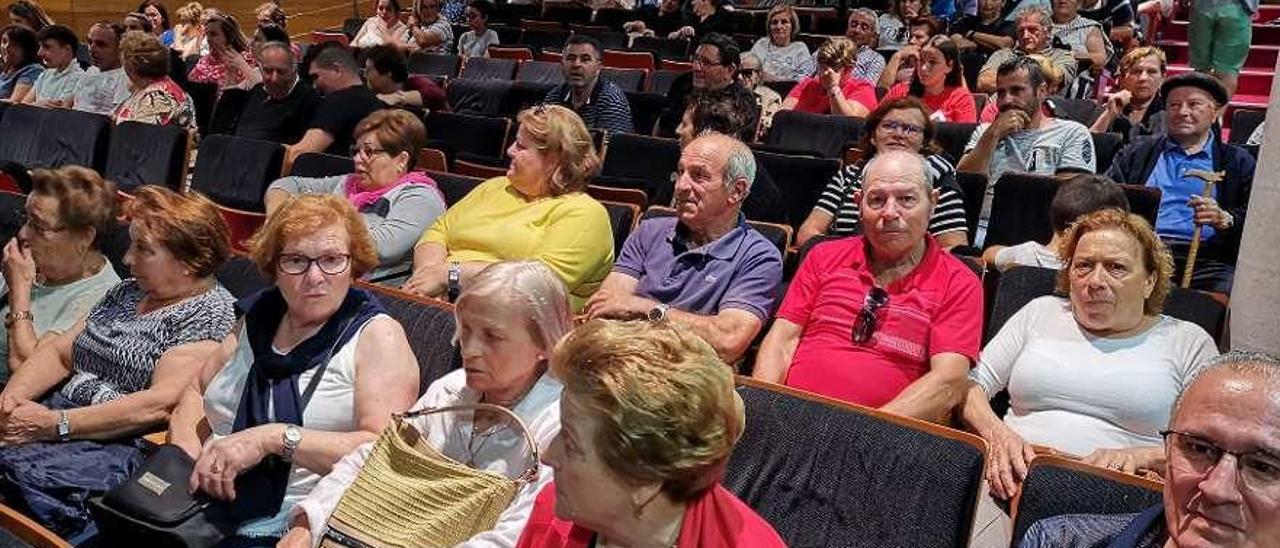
837 199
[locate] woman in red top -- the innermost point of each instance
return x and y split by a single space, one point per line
229 63
648 418
833 90
939 82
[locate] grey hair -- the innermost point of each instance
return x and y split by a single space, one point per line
1240 362
338 59
742 59
1042 16
926 180
875 19
741 164
276 45
529 289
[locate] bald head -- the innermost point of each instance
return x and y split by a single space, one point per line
1237 370
898 165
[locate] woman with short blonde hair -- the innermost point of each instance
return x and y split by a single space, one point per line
538 210
1132 109
833 89
649 417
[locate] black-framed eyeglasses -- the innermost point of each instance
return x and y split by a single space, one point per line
1257 470
876 299
368 151
747 72
296 263
36 226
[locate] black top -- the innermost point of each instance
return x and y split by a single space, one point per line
284 120
679 95
720 22
973 23
340 112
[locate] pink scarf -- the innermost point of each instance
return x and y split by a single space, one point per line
364 198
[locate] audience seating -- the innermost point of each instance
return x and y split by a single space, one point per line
436 354
147 154
1085 111
567 12
660 80
478 139
235 172
1020 209
619 195
113 244
203 95
973 189
322 37
20 128
679 66
436 64
1058 486
827 473
226 112
454 186
523 95
782 87
664 48
543 72
241 277
646 109
622 220
543 39
483 97
433 159
952 137
483 67
13 214
351 26
823 135
1144 201
319 164
70 137
778 235
19 530
518 53
1105 148
639 162
1243 122
800 180
629 79
613 18
629 59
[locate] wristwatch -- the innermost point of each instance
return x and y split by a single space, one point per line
658 313
19 316
291 437
64 426
455 281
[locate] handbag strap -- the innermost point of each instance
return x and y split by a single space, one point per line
530 472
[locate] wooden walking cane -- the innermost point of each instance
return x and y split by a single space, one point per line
1209 178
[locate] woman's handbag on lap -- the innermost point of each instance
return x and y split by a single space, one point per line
409 494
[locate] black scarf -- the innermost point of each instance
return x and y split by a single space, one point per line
273 384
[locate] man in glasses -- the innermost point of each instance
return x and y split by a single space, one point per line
715 67
1222 470
888 319
705 267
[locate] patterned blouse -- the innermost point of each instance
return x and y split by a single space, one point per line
161 103
211 69
116 353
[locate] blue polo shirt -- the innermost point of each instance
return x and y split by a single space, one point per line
741 269
1175 220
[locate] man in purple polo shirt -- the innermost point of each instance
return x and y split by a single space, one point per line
705 268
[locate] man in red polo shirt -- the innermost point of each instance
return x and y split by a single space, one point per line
887 319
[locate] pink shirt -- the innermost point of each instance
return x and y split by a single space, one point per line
813 98
936 308
954 104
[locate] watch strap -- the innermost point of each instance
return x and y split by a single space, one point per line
64 426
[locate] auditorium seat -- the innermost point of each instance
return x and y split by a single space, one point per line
478 68
952 137
1105 147
226 112
319 164
234 172
483 97
13 214
629 59
778 235
629 79
1058 486
544 39
1243 122
476 138
70 137
622 219
429 327
147 154
542 72
455 187
660 81
800 181
20 126
646 109
523 95
19 530
241 277
823 135
1144 201
639 162
566 12
434 64
1020 209
620 195
676 49
973 190
203 95
516 52
826 473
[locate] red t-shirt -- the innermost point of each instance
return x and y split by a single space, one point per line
813 98
952 105
936 308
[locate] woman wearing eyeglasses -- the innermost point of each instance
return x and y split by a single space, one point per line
898 124
938 81
396 203
1094 374
314 369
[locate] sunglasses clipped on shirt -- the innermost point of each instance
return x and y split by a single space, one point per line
867 322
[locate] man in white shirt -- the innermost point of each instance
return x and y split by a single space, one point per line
104 86
62 73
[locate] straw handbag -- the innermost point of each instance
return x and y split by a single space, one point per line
409 494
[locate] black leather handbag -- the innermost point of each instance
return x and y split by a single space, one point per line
154 507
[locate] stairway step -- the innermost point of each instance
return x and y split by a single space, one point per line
1260 57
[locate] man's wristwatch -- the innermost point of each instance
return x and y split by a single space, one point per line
64 426
455 281
291 437
19 316
658 313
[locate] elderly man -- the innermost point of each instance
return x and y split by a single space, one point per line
280 107
864 33
705 267
1193 101
1034 35
1022 138
751 76
104 85
1222 471
346 101
715 65
600 102
907 349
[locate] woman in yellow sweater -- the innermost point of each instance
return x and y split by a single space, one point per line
537 211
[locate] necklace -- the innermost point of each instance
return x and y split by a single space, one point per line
482 436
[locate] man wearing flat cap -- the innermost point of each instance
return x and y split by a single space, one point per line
1173 162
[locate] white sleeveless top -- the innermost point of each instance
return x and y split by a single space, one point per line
332 409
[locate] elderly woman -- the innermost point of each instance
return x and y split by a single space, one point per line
1132 109
345 367
897 124
118 372
188 32
894 24
229 63
155 98
537 211
53 271
29 14
430 31
833 90
1094 374
19 62
938 81
1085 38
783 58
396 203
649 417
526 303
384 27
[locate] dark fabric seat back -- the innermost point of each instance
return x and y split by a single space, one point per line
778 235
226 113
480 68
1243 122
241 277
952 137
483 97
809 133
544 39
828 475
203 95
20 129
1056 487
1198 308
621 218
1015 288
146 154
319 164
628 79
523 95
434 64
800 180
235 172
113 244
13 214
639 161
429 326
478 137
1020 209
1105 147
973 188
1144 201
70 137
660 81
646 109
542 72
454 187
